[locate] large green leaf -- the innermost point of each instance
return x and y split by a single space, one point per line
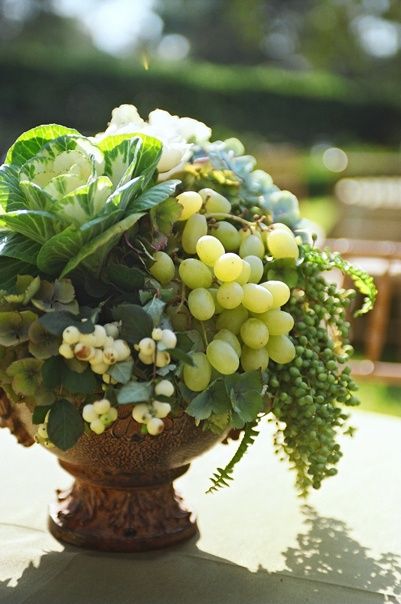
65 424
120 154
212 400
93 254
15 245
36 198
124 193
32 141
136 323
11 197
245 394
148 158
134 392
153 196
86 202
10 268
60 248
36 225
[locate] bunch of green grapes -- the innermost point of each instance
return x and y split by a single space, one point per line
223 268
308 394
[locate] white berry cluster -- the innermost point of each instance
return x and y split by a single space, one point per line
152 414
101 348
154 350
42 436
99 415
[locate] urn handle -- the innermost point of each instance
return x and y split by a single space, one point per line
10 418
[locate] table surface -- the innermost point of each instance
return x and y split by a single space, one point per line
259 544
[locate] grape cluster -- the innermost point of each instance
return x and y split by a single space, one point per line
308 392
223 272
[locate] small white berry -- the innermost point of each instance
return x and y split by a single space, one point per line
162 358
141 413
157 334
165 388
169 339
112 329
89 414
83 352
147 346
66 351
99 335
108 418
110 355
102 406
161 409
109 341
155 426
108 379
100 368
88 339
97 357
42 431
97 426
146 358
71 335
48 444
122 350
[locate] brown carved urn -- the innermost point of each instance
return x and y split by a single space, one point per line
123 498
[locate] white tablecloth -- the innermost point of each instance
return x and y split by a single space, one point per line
258 544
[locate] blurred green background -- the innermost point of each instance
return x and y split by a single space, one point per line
313 87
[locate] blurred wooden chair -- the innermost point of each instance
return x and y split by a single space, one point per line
382 260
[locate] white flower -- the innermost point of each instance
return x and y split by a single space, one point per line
176 133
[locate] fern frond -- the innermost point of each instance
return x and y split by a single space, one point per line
365 284
223 476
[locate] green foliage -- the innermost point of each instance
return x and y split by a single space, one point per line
223 476
65 424
136 322
57 374
134 392
286 105
363 282
121 372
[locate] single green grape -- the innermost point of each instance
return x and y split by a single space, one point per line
256 298
197 377
214 202
281 349
194 273
252 360
279 290
222 357
163 268
229 295
227 234
191 203
256 268
254 333
209 249
227 336
232 319
278 322
194 229
228 267
252 246
282 244
201 304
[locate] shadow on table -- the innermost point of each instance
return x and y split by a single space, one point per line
327 566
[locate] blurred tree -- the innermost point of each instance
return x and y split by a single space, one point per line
357 38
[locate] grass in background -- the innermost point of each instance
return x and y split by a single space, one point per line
322 210
380 398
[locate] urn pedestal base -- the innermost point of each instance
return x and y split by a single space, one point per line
127 519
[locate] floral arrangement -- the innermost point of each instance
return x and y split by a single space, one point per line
148 266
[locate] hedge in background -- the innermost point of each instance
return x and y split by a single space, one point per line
255 101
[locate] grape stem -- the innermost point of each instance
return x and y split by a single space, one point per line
220 215
204 334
